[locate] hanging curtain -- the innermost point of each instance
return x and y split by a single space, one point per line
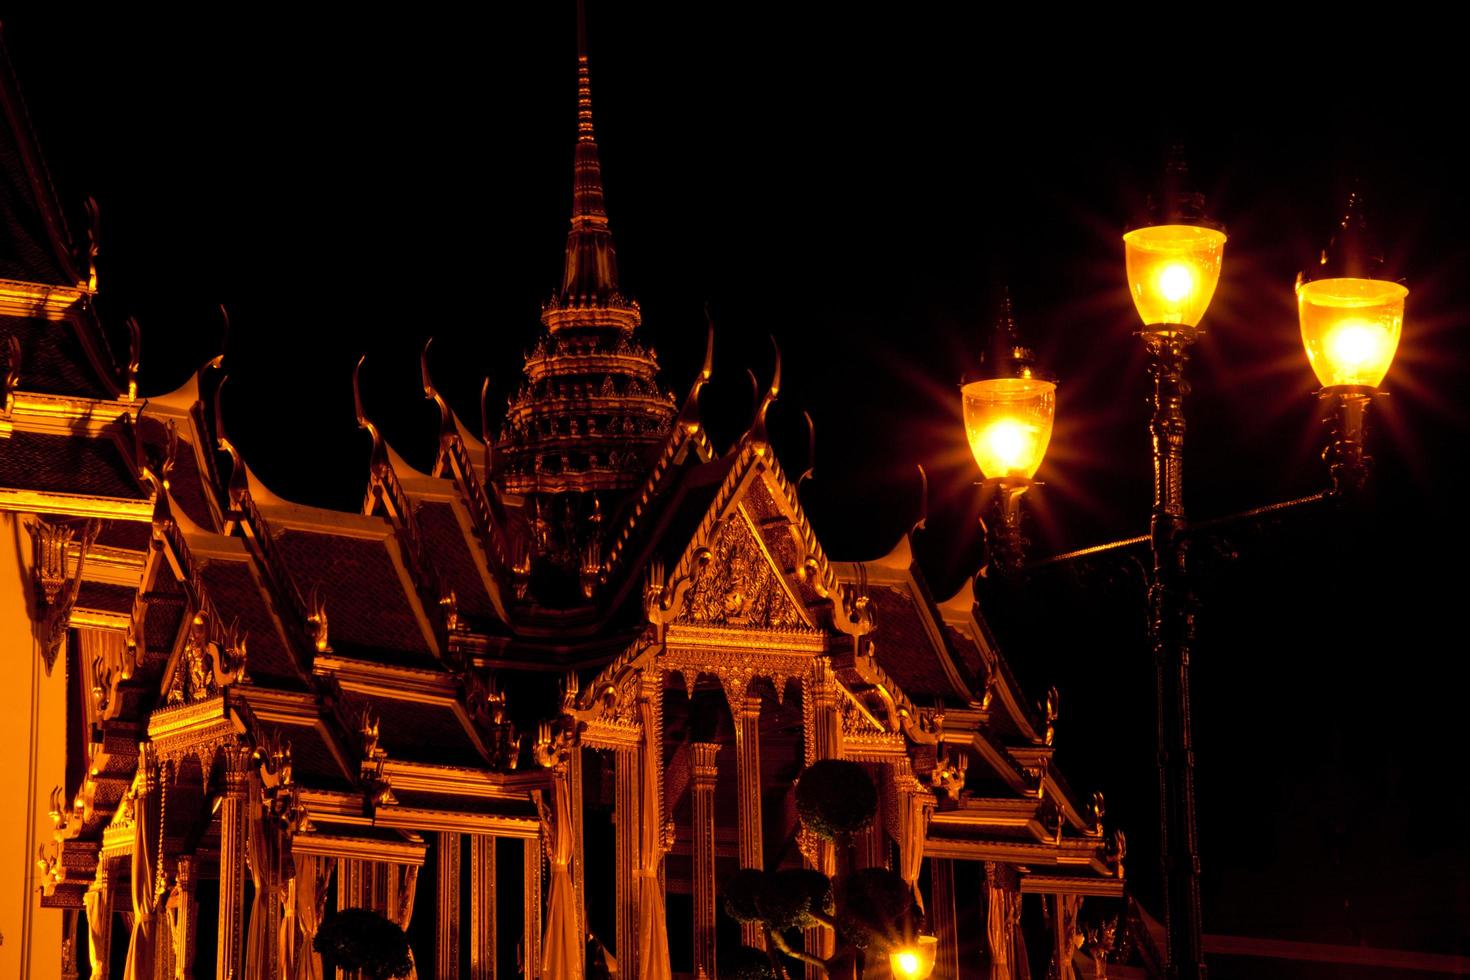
561 949
145 899
1064 932
400 905
653 930
261 847
998 928
99 916
1019 957
313 874
912 828
286 930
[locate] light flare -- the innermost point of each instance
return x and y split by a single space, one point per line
1176 282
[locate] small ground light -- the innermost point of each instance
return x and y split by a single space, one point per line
914 962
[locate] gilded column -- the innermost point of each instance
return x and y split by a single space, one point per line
579 876
69 920
626 828
182 917
230 948
705 773
748 792
531 941
98 903
350 884
446 945
482 907
823 730
942 918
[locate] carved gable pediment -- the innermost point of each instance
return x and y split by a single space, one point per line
739 585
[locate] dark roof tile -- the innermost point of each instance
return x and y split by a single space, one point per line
66 464
367 606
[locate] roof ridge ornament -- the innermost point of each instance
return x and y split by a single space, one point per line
689 415
363 422
446 417
239 485
757 434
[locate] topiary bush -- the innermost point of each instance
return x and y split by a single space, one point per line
361 939
835 799
788 899
746 963
874 908
742 892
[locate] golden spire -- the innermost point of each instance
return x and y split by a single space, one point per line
591 271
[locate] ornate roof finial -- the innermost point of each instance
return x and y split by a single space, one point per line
591 269
1178 201
1354 252
1006 356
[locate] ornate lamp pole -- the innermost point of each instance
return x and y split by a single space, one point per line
1173 268
1350 323
1009 411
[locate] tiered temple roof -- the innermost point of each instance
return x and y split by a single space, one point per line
401 671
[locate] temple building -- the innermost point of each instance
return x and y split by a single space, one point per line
542 698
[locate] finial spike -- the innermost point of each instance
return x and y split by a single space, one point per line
1006 356
923 520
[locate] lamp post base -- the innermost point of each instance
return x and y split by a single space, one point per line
1003 538
1345 409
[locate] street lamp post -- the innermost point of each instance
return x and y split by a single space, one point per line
1173 268
1350 323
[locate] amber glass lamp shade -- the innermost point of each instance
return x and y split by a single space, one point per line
914 961
1351 328
1008 423
1173 271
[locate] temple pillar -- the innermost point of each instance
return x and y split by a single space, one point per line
531 941
942 918
822 727
446 944
703 787
230 950
98 903
482 907
69 920
353 885
183 918
748 791
579 874
626 830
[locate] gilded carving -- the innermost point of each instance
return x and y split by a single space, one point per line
739 586
55 589
205 665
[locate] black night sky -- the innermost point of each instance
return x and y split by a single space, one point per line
859 187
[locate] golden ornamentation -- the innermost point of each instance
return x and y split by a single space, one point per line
55 589
738 586
205 665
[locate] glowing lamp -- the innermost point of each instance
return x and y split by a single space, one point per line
1351 328
1008 422
1173 271
914 961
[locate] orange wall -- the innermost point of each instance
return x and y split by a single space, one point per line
32 761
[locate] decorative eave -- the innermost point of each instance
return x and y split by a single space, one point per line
68 417
287 710
899 570
404 684
962 612
266 515
407 849
1081 854
41 301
